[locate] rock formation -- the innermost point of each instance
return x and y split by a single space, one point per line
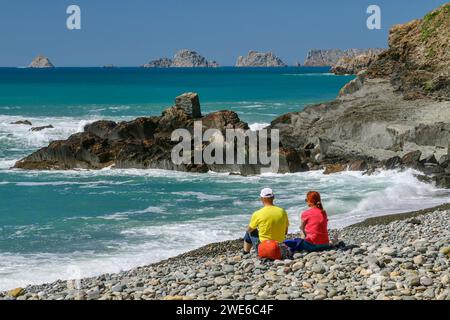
41 62
330 57
418 60
260 59
146 143
24 122
159 63
388 111
182 59
189 58
354 65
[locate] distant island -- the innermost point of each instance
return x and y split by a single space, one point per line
330 57
260 59
41 62
182 59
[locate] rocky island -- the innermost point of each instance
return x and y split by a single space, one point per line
183 59
330 57
259 59
41 62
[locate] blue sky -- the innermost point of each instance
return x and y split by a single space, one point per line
130 33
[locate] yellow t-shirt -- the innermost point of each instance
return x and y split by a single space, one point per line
271 222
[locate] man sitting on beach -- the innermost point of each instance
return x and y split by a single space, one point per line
269 223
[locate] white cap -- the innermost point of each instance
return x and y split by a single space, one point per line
266 193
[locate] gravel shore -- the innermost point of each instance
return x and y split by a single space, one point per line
404 256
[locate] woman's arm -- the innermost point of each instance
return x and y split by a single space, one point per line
302 229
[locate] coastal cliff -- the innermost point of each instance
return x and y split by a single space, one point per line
259 59
392 115
417 62
330 57
41 62
183 59
353 65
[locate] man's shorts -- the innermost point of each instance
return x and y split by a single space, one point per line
252 238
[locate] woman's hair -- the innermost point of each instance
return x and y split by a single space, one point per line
314 198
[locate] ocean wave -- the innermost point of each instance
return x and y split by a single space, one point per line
349 197
258 126
20 136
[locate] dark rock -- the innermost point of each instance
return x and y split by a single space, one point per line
392 163
25 122
358 165
100 128
190 103
444 161
424 178
42 128
432 168
411 159
429 160
146 142
442 181
334 168
291 161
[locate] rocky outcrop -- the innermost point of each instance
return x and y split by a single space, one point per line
182 59
24 122
260 59
159 63
382 118
42 128
189 58
330 57
41 62
374 124
146 143
353 65
417 62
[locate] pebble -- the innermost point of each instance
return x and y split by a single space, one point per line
411 264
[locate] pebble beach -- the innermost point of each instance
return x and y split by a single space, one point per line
397 257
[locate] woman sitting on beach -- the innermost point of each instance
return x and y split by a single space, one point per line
314 227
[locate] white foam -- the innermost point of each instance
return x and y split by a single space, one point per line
348 197
258 126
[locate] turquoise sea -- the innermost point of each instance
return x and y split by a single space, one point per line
52 223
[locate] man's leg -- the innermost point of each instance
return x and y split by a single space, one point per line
251 240
247 243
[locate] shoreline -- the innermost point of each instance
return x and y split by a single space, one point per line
229 253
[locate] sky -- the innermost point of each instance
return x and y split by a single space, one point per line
133 32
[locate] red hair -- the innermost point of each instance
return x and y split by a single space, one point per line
314 198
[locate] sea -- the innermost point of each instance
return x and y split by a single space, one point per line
80 223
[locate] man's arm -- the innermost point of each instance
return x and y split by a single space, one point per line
287 223
253 225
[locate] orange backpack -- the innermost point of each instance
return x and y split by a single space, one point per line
269 249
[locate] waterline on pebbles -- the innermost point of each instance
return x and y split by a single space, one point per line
400 260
